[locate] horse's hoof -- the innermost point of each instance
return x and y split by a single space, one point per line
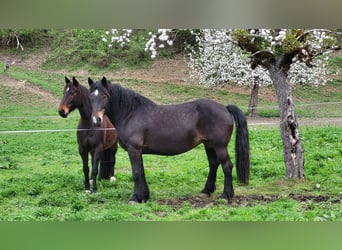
226 198
132 202
203 195
112 179
87 191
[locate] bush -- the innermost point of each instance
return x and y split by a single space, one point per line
82 47
28 38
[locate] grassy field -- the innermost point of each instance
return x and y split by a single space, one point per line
41 175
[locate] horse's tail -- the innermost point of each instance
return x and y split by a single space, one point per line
241 144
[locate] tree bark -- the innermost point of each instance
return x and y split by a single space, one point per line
253 101
278 67
293 152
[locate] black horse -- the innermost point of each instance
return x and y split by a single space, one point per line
100 142
144 127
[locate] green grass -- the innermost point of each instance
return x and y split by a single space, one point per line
41 173
41 179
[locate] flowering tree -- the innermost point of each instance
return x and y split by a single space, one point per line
276 50
117 37
219 60
277 57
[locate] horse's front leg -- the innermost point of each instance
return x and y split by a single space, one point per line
84 155
113 161
141 191
96 157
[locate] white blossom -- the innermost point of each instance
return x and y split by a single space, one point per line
219 61
159 40
116 36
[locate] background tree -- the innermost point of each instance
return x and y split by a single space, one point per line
218 60
276 50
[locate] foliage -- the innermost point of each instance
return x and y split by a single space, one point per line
76 48
167 41
23 38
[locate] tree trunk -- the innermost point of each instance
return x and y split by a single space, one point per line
253 101
293 152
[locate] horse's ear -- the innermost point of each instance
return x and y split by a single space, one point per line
90 81
75 82
67 79
104 82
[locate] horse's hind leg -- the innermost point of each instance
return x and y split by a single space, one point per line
106 164
103 168
227 165
213 165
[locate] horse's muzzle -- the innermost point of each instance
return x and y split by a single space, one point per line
98 118
97 121
62 113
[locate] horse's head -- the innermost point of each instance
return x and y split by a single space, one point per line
99 98
69 100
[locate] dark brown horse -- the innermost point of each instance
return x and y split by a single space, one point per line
144 127
101 141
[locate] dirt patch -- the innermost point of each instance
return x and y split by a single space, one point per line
173 70
25 86
245 201
318 198
27 60
200 202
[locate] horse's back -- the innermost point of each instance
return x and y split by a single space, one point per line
174 129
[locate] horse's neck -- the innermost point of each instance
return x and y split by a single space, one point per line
84 106
125 102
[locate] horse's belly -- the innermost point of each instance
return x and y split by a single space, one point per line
165 151
165 144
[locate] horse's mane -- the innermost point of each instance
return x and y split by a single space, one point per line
84 93
84 90
128 100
